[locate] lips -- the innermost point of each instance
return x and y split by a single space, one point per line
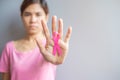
33 25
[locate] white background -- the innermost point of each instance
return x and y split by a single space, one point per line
94 52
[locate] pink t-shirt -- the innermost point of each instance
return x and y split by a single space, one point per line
29 65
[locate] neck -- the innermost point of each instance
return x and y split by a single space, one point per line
32 37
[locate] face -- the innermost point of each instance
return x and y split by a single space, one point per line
32 17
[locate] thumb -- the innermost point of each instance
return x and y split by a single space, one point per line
40 45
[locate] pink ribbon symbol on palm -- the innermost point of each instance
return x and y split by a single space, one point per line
56 47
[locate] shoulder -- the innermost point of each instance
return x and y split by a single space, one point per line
7 48
8 44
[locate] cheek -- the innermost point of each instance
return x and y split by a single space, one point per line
42 18
25 21
40 27
39 21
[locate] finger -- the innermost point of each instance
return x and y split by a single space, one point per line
60 27
54 19
46 30
40 45
51 43
68 35
62 44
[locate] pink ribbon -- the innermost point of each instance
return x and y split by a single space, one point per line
56 47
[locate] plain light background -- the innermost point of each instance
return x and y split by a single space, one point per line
94 52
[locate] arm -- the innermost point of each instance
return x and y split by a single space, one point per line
5 76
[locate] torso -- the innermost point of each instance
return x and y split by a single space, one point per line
28 63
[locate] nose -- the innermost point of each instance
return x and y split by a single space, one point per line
33 19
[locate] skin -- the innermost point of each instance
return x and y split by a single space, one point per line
35 23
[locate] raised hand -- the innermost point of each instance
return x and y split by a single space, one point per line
47 50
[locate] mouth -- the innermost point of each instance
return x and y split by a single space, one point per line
33 25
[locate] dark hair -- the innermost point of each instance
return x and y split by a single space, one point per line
42 3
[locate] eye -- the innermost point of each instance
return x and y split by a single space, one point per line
27 14
38 14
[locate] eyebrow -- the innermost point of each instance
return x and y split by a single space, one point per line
31 12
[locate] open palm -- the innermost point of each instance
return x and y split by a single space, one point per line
47 50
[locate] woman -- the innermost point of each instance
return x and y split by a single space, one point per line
32 58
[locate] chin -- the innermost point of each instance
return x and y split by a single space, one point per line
32 32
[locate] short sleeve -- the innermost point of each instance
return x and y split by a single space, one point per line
5 60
